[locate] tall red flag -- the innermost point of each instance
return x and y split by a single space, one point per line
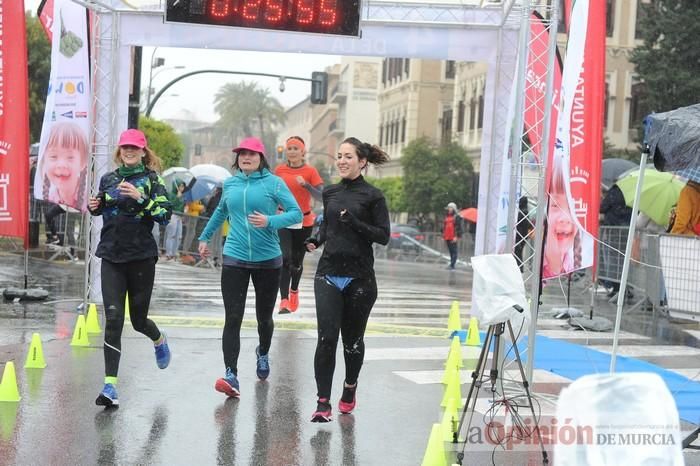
587 122
14 122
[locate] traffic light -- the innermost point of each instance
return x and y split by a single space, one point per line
319 87
280 153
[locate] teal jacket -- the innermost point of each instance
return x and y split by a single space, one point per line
243 195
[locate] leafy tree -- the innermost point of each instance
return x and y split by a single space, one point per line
163 140
435 175
245 109
668 62
39 68
393 190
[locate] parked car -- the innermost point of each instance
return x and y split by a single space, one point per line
404 238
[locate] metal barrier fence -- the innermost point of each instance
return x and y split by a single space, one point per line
664 269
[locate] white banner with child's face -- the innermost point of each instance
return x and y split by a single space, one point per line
63 149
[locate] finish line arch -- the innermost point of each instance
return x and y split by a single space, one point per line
495 32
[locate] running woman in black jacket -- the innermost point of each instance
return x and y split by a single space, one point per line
354 216
130 200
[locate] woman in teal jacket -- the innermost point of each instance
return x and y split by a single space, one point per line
250 202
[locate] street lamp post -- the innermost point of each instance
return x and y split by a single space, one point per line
282 78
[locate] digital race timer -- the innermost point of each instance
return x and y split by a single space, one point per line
340 17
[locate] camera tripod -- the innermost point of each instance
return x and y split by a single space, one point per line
493 336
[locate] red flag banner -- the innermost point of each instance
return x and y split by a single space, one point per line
537 84
586 133
45 14
14 122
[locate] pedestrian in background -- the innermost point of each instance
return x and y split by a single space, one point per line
252 251
130 200
173 232
355 216
452 232
304 182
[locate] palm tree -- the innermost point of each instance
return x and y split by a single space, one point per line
245 109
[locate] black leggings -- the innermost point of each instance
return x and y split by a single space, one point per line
136 278
234 288
346 312
293 250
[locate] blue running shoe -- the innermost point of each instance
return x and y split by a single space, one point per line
108 396
263 365
163 353
228 384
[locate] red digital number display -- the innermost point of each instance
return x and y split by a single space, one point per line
340 17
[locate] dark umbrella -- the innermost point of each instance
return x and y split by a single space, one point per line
613 168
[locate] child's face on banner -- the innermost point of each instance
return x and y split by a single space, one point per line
63 166
561 226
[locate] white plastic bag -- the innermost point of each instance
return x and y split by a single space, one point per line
498 291
617 419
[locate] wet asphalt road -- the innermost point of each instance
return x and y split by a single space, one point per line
175 417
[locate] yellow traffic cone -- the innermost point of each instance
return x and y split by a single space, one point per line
127 316
449 418
449 367
453 321
473 337
80 336
435 451
8 385
454 357
35 357
92 322
453 389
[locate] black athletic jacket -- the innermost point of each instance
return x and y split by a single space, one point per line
348 239
127 229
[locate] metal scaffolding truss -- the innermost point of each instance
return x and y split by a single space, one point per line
509 19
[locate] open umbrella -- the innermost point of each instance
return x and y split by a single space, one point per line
201 188
659 192
612 169
469 214
177 173
212 171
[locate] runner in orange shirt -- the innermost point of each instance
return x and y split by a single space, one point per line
304 182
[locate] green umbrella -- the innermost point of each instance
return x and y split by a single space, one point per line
659 194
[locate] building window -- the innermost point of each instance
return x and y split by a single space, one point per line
472 113
450 68
446 125
396 131
381 135
610 17
637 110
403 129
406 66
561 26
480 117
460 116
605 109
390 130
384 71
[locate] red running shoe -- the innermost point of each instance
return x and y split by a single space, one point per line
323 411
348 400
285 308
293 300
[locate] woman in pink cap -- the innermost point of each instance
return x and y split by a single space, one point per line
130 199
249 202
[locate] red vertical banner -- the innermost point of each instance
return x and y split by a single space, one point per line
535 105
587 119
45 14
14 122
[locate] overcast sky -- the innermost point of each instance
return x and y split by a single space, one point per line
196 93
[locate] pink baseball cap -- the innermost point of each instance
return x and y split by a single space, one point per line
133 137
251 143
